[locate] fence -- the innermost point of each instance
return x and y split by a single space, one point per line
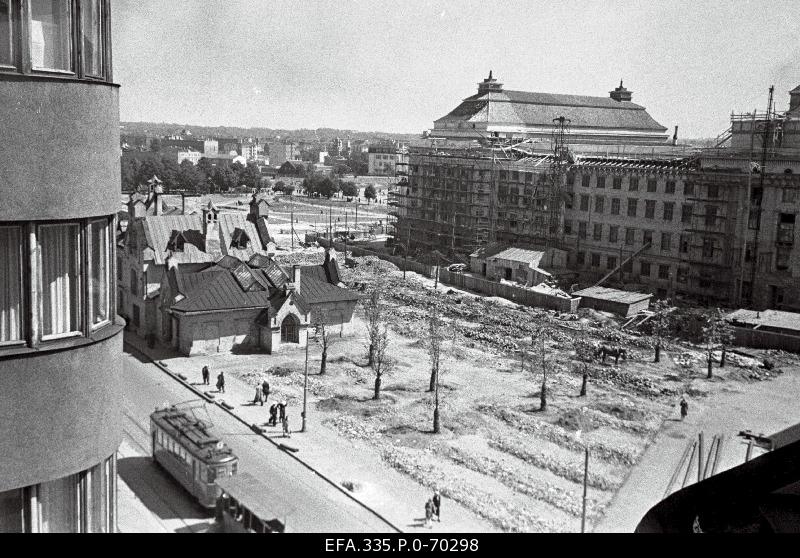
526 297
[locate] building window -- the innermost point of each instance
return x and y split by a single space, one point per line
134 283
647 238
585 179
60 301
630 235
652 185
713 191
786 222
6 34
597 233
567 227
93 37
613 234
789 195
582 230
683 275
580 258
783 256
644 269
684 248
666 242
599 203
601 181
595 260
611 262
136 315
632 207
663 272
58 505
584 202
633 184
669 208
617 184
688 189
711 215
51 35
614 206
11 310
708 248
650 209
99 280
686 213
669 187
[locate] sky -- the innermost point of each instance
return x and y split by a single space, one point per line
396 66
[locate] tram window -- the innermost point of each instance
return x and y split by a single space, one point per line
201 472
212 474
234 467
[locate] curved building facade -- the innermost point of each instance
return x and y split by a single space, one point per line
60 337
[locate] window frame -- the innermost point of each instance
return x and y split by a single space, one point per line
73 38
91 310
80 288
23 306
13 31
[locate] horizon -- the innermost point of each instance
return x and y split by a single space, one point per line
395 68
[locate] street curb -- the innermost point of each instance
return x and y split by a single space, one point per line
285 449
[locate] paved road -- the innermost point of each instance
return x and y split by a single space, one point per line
319 507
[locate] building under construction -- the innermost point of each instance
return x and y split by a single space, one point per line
716 225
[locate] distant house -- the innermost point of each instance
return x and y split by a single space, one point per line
525 266
232 305
292 168
194 241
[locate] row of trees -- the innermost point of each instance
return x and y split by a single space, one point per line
201 178
318 185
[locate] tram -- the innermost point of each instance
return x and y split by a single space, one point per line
182 445
247 505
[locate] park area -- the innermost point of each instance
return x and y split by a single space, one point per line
518 467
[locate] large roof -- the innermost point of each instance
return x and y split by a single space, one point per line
539 109
768 319
613 295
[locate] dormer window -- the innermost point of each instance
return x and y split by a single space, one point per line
176 242
240 240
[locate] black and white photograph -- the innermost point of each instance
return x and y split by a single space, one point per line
407 275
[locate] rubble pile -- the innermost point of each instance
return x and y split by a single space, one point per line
639 384
353 428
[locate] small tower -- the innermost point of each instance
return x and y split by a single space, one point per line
794 99
621 94
490 85
210 229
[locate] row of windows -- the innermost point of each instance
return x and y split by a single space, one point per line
616 182
71 268
66 37
81 503
666 238
202 472
663 271
632 209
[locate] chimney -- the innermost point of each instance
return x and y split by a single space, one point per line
158 200
621 94
183 203
296 277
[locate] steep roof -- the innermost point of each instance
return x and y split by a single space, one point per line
531 257
539 109
315 291
158 231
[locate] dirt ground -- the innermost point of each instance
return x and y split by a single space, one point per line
498 454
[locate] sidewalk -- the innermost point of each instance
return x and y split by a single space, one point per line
391 494
764 407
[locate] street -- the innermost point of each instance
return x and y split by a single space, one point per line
319 507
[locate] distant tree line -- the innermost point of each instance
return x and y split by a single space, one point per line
201 178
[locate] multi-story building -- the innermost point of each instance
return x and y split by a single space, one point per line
383 159
280 152
60 339
718 225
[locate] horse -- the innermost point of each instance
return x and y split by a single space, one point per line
615 352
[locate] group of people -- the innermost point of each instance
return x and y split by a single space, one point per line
433 508
276 411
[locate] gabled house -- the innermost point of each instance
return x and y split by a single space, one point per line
193 241
527 267
232 305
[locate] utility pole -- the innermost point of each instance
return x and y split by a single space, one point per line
585 485
330 221
436 280
291 216
305 387
346 235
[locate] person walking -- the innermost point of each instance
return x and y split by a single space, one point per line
257 398
206 375
221 383
265 390
282 410
273 415
285 422
428 513
684 408
437 505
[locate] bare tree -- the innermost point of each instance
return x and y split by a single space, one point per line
324 337
711 337
435 339
541 333
380 364
585 352
375 314
660 325
725 335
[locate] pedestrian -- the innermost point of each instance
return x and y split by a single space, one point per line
265 390
221 383
285 422
282 409
206 375
273 415
684 408
428 513
257 398
437 505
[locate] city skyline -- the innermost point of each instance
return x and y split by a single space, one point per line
406 65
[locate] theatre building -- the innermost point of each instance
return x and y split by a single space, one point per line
60 340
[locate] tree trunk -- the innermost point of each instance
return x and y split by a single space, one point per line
722 359
432 385
377 387
324 360
436 425
543 395
658 353
583 383
371 355
710 374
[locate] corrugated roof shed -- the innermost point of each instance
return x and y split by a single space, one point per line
789 321
614 295
531 257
